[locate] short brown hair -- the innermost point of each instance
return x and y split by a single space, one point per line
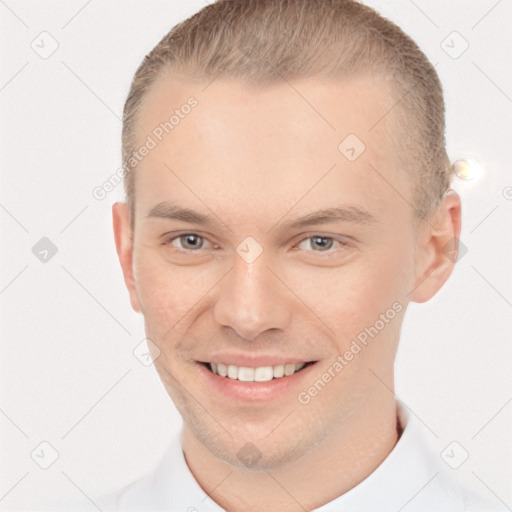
262 42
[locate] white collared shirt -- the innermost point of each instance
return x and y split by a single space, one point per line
410 479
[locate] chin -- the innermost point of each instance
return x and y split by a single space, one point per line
251 453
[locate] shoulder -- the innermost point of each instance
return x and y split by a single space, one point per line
444 491
155 490
141 494
133 496
108 502
476 503
465 498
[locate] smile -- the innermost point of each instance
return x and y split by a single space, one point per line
258 374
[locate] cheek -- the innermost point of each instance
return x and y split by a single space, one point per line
351 297
167 292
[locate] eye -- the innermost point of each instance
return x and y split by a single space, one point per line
189 242
323 242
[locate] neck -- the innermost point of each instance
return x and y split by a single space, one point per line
335 465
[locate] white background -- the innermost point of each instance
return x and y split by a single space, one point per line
68 374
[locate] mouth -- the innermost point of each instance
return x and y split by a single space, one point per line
255 374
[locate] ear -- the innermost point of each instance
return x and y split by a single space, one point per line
124 245
437 248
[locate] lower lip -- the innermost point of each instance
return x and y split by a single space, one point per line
254 391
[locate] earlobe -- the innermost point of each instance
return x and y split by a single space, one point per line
124 246
437 249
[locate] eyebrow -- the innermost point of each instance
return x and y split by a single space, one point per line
351 214
171 211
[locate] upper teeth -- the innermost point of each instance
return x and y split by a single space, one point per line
259 374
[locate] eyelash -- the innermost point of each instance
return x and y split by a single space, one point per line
188 251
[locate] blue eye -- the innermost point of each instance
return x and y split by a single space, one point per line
324 243
189 242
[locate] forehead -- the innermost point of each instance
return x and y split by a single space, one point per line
250 143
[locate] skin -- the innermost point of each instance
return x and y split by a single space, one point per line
254 159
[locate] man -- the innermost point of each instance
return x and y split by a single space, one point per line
287 197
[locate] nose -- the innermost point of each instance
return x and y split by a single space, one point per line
252 299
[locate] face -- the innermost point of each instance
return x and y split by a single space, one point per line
297 254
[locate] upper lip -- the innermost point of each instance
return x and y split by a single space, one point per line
253 361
